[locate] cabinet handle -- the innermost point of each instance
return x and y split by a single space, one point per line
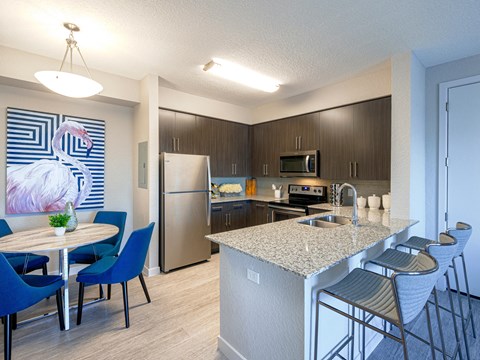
263 172
350 169
266 169
268 217
233 169
356 170
226 220
217 208
229 219
173 143
300 143
260 205
296 142
178 144
238 206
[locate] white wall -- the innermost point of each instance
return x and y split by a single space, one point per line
118 153
180 101
370 84
17 68
435 75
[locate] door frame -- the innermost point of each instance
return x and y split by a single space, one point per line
442 222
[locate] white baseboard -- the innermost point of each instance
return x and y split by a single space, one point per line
228 350
151 271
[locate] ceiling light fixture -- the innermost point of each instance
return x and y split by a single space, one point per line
241 75
67 83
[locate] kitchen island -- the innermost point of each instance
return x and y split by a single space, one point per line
270 275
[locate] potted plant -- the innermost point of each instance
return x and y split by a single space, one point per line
59 223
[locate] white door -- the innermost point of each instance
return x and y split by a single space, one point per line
462 174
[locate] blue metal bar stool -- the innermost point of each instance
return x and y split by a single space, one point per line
397 299
443 251
462 233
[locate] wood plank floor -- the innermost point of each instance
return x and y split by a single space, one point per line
182 322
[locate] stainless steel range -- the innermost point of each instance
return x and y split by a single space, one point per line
300 197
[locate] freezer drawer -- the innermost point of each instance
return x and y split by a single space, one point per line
184 173
184 226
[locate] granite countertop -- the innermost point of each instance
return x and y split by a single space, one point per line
307 251
264 198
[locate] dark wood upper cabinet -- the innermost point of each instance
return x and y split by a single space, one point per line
335 140
266 149
176 132
372 140
297 133
355 141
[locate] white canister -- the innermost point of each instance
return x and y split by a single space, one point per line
361 202
374 202
278 194
386 202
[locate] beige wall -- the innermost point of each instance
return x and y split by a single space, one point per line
370 84
118 149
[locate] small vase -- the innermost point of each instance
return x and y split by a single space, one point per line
59 231
73 222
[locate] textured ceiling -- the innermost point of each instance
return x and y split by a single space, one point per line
304 44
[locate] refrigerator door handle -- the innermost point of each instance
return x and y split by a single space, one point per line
209 193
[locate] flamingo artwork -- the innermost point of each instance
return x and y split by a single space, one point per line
46 185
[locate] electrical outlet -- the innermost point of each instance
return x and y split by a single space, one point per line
253 276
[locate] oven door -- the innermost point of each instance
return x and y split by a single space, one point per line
279 213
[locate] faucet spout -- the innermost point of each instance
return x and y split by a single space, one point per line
355 209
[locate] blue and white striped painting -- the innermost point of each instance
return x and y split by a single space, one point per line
52 159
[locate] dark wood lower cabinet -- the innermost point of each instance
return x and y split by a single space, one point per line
226 217
258 213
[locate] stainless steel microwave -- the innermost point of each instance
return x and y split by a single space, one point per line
301 163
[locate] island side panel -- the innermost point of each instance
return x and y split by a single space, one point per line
259 321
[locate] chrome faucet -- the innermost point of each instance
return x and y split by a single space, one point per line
355 209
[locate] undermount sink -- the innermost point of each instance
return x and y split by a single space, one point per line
328 221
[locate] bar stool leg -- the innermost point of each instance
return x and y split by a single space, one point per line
430 334
352 348
442 339
454 318
470 315
404 341
363 336
462 319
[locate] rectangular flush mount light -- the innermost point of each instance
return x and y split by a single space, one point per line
239 74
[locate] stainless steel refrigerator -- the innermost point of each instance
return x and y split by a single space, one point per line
185 205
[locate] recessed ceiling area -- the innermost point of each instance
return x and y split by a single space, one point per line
303 44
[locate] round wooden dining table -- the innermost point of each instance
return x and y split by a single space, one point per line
44 239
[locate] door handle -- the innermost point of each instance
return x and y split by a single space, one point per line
173 143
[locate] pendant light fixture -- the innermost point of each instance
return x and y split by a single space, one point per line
66 82
240 74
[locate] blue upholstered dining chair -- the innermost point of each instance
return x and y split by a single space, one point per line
23 263
88 254
20 292
118 270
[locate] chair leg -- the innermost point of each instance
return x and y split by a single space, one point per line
109 291
468 295
454 318
352 348
125 304
144 286
60 309
439 319
430 333
81 291
14 321
462 319
7 337
404 341
44 269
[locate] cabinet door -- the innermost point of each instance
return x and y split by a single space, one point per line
204 140
185 133
336 143
239 146
297 133
218 221
166 130
265 149
372 140
258 150
261 213
237 216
